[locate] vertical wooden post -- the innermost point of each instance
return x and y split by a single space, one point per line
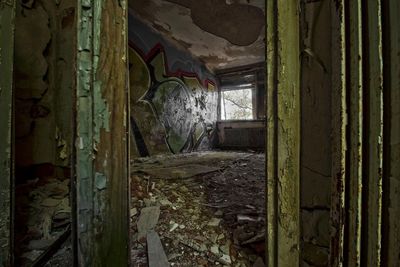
101 134
391 182
355 169
7 14
374 136
339 121
270 164
283 133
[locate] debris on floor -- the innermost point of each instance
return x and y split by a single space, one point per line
42 216
174 172
210 215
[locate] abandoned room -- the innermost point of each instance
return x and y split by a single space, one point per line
199 133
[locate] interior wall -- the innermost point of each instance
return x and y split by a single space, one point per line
44 46
174 97
315 132
241 134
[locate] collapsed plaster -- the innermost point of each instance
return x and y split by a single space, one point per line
240 24
176 24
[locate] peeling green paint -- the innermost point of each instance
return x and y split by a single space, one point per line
84 152
100 181
101 111
100 145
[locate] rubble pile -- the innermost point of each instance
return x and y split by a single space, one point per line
43 214
210 219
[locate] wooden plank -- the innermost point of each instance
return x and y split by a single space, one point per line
7 14
101 147
355 85
374 135
391 182
283 133
155 251
339 122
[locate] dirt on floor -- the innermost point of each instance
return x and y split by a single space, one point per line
208 208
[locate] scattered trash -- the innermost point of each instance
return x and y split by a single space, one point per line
214 222
42 214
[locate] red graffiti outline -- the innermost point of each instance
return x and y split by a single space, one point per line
158 48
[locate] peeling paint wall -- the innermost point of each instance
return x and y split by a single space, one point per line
44 41
173 96
316 132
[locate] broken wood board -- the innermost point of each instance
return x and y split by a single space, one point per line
155 251
148 220
179 172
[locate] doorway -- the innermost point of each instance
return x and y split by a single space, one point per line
197 182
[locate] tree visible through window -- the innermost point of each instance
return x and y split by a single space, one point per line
237 104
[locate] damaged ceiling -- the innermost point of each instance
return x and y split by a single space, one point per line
222 34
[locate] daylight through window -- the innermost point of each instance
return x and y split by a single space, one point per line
237 104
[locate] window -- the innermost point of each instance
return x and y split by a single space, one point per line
238 96
237 104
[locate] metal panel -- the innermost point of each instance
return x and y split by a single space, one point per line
7 14
101 134
339 122
354 80
283 133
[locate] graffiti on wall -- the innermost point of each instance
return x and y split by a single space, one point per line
170 111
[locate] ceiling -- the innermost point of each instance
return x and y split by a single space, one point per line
221 33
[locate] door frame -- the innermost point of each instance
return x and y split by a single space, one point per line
283 133
101 186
